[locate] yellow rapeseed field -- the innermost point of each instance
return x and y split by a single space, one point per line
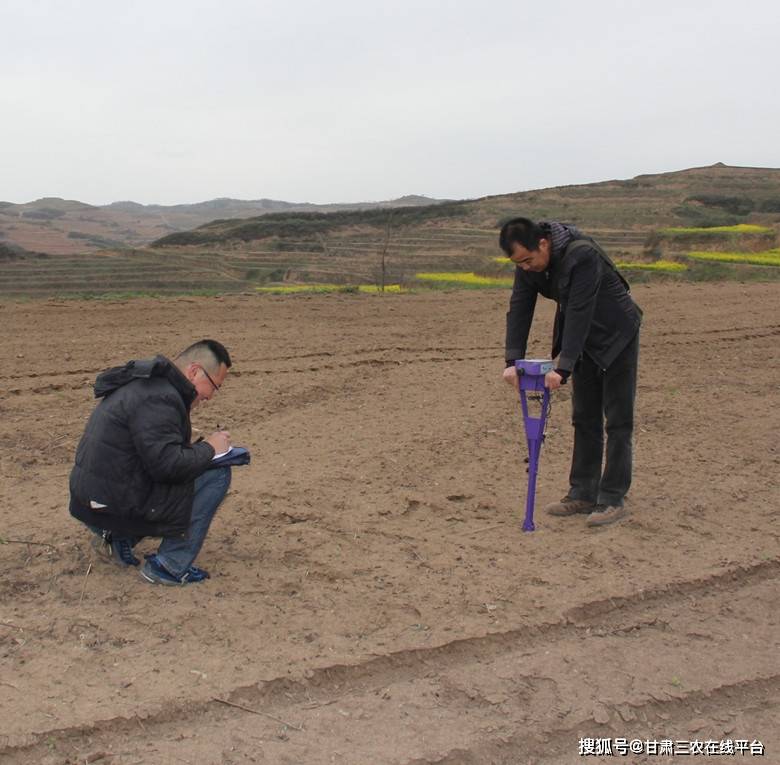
739 228
664 266
374 288
767 258
289 289
467 279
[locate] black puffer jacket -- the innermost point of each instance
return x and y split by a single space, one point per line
135 457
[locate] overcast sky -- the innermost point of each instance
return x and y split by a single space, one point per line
169 101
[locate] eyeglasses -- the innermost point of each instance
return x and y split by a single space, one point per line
208 377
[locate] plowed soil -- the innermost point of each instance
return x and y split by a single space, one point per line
372 597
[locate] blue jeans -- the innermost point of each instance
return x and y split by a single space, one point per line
603 400
177 554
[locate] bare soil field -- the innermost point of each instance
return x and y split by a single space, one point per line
373 599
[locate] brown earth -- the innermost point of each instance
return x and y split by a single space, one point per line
373 599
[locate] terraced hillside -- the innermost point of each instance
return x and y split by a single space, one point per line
351 259
392 245
717 195
122 272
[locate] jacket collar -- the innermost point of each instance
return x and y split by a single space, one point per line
176 377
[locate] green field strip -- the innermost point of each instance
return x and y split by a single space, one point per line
141 281
87 271
124 285
363 246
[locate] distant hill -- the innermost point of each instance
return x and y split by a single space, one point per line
701 196
380 243
59 226
714 195
226 207
704 196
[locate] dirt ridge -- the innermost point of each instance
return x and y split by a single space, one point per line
322 684
550 746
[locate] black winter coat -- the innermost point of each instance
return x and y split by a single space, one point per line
595 314
135 466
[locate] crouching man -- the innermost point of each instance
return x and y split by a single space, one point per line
137 472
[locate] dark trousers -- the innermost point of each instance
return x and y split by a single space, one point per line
603 400
177 554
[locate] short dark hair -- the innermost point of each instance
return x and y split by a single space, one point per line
208 348
524 232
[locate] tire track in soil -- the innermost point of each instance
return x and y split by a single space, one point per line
274 359
371 362
623 616
720 340
744 334
715 331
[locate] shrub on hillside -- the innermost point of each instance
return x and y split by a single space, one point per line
693 215
7 253
43 213
305 225
733 205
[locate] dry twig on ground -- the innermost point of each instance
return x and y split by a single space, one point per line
258 712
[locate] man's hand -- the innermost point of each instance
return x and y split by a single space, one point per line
220 441
552 380
510 377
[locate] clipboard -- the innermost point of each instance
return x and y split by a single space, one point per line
233 457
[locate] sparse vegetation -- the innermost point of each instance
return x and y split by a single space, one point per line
97 241
44 213
298 289
8 253
736 205
305 225
731 204
639 222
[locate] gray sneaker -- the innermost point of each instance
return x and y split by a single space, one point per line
568 506
603 515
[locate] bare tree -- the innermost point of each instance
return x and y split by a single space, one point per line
385 248
324 244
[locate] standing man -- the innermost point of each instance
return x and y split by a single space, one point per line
137 473
596 340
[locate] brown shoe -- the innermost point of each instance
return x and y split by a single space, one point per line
568 506
603 515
